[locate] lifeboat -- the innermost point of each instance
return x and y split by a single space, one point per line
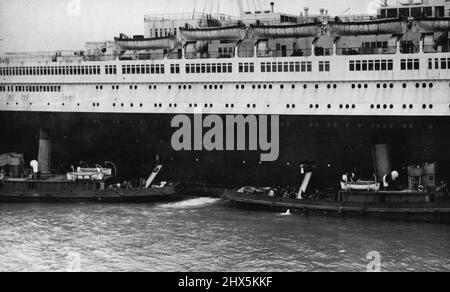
370 27
287 31
360 186
237 32
140 43
433 24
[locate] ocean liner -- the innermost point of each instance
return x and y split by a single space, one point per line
339 84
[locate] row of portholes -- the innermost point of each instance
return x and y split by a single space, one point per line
282 86
131 87
293 106
181 87
213 86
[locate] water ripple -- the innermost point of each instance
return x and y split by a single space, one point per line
208 235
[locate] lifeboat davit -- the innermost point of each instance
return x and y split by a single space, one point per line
287 31
433 24
140 43
369 27
237 32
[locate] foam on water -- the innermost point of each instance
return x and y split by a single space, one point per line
191 203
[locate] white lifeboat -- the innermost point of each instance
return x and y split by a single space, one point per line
137 43
369 27
433 24
236 33
287 31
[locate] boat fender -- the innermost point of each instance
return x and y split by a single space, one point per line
2 176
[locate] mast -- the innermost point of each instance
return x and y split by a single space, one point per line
241 7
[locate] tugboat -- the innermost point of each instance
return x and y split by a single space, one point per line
80 185
423 201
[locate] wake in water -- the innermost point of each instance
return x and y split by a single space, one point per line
191 203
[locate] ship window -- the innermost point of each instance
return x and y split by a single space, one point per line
439 11
370 65
443 63
383 65
364 65
358 66
392 13
390 65
213 68
263 67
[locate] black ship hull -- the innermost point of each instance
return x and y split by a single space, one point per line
333 144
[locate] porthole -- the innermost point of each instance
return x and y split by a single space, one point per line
210 87
190 87
329 106
184 87
404 85
378 85
366 86
150 87
384 85
353 106
329 86
270 86
265 86
293 106
305 86
226 105
404 106
288 106
424 106
391 106
317 86
341 106
131 105
215 87
385 106
391 85
353 86
347 106
281 86
317 106
242 86
114 105
359 85
121 104
237 86
424 85
334 86
411 106
259 86
378 106
417 85
372 106
253 86
311 106
140 104
431 85
170 86
254 105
